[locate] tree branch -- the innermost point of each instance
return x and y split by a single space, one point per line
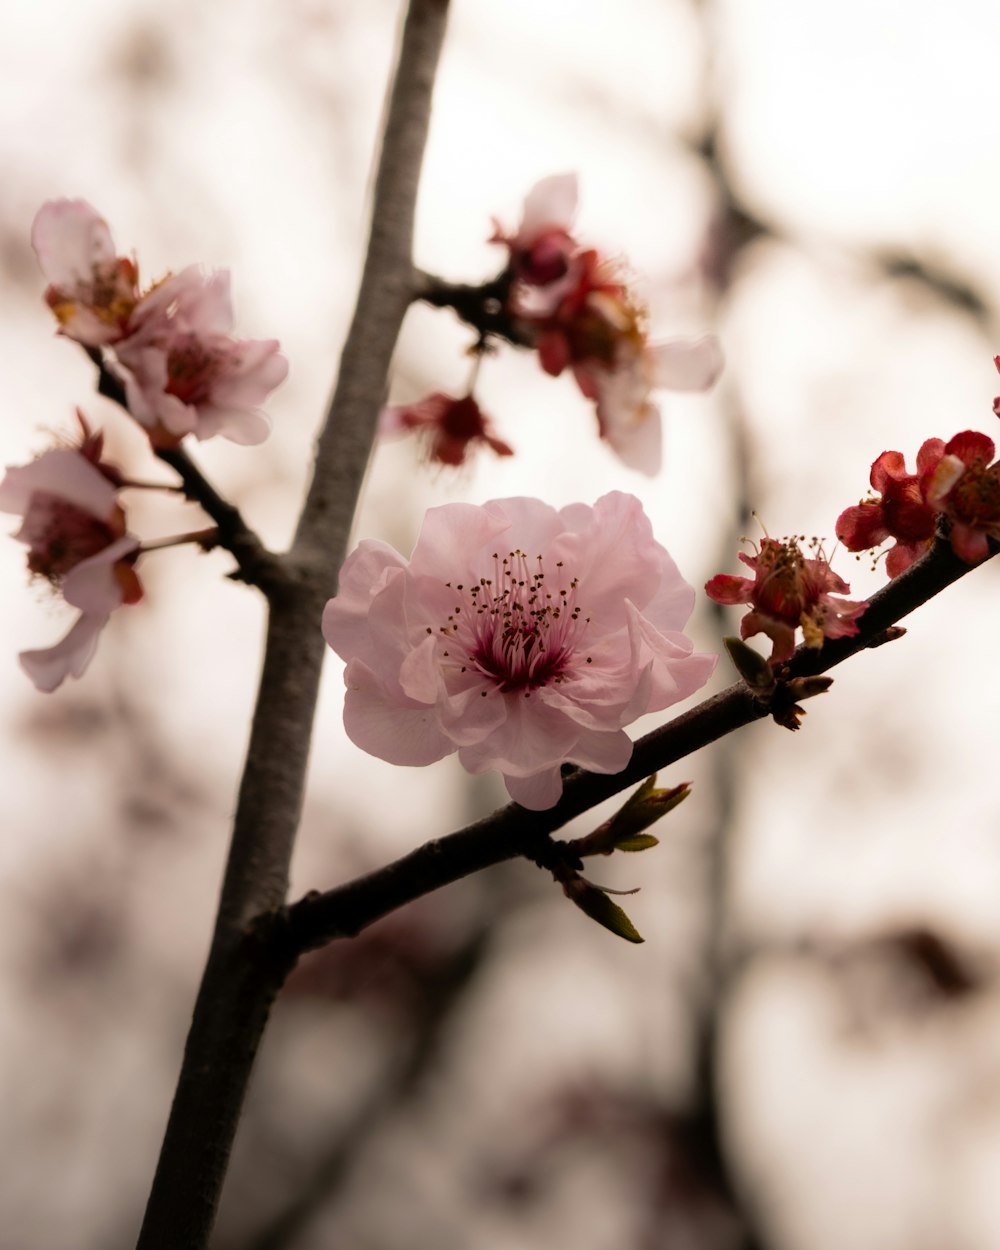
245 966
388 287
514 831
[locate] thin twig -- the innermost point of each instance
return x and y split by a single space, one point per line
256 565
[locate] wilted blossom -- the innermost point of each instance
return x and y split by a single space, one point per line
902 512
789 590
92 291
183 372
451 427
520 636
74 529
584 317
965 486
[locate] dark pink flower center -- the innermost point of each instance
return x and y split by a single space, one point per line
516 628
60 535
192 369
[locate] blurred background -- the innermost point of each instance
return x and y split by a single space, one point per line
804 1053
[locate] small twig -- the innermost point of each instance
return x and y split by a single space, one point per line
256 565
482 306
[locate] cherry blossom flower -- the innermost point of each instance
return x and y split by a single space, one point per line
902 513
598 330
543 251
74 529
92 291
452 426
184 374
965 485
520 636
789 590
581 315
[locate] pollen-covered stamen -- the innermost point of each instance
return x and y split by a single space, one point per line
517 628
60 535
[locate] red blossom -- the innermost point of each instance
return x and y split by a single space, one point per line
902 513
451 426
789 590
965 486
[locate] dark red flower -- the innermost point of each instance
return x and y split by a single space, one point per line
789 590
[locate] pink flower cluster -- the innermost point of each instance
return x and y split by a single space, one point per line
957 480
520 636
788 591
583 317
74 528
183 372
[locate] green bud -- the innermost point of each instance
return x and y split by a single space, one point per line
751 665
594 902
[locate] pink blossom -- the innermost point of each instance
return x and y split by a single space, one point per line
184 374
91 290
74 529
543 251
787 591
903 512
520 636
627 417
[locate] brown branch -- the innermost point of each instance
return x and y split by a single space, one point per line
245 967
514 831
482 306
388 287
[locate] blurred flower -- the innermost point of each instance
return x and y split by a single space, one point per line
74 528
965 486
91 290
183 374
789 590
451 426
902 513
543 252
583 316
520 636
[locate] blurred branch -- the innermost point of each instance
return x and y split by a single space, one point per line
245 967
256 565
443 991
514 831
482 306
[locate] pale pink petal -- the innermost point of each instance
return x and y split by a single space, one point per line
537 792
66 474
70 239
193 301
394 729
686 364
552 202
92 585
49 667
